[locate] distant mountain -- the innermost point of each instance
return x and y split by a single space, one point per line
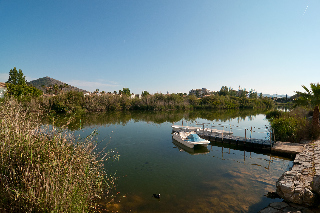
47 85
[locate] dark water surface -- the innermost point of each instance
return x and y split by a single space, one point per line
217 179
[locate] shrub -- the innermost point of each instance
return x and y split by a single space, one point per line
286 129
45 170
273 114
292 126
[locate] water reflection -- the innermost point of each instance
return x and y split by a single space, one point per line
76 122
192 151
223 178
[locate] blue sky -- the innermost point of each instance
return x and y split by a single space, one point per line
164 45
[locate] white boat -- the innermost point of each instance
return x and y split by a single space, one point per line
189 139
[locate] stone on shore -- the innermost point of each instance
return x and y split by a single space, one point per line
283 207
301 185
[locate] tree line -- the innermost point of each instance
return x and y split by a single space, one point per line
73 101
76 101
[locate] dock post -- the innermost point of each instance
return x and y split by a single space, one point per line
270 140
222 134
274 136
203 129
245 134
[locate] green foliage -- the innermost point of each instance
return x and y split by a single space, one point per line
70 102
126 91
274 114
291 126
285 129
253 94
17 87
224 91
22 92
309 97
16 78
231 102
193 100
145 93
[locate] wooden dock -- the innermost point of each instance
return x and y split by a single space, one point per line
239 141
224 136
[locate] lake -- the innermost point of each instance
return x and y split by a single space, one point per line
221 178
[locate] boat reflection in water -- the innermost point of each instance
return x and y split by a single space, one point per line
196 150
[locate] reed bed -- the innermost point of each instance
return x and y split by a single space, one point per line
43 169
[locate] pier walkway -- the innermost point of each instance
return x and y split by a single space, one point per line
228 137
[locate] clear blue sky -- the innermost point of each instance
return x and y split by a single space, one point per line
164 45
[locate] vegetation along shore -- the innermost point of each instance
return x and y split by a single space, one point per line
44 168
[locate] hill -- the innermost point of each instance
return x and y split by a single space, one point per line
49 85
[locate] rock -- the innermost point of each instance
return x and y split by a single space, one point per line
278 205
309 197
316 184
283 207
291 209
269 210
301 185
284 189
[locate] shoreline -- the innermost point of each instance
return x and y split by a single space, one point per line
300 186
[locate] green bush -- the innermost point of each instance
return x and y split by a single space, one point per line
22 92
274 114
291 126
285 129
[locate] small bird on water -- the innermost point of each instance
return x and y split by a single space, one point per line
156 196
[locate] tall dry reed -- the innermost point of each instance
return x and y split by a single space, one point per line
45 170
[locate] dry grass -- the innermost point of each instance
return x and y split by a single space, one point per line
45 170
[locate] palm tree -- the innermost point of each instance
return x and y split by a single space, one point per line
311 98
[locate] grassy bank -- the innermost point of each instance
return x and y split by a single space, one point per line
43 169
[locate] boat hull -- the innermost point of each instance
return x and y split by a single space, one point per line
192 151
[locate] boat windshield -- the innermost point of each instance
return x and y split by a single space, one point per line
194 138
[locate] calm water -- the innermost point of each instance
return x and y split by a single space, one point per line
217 179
